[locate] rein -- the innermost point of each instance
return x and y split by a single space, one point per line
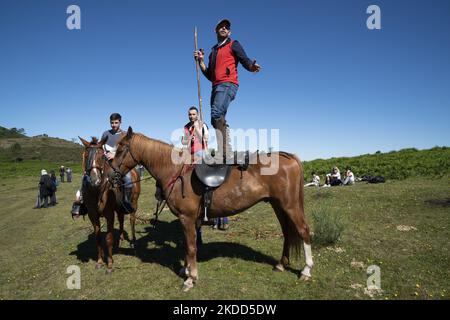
117 174
117 181
171 183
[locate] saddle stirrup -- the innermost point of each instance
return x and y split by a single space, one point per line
205 217
207 202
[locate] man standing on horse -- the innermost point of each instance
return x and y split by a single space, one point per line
222 72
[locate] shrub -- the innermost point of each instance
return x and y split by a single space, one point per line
328 226
16 147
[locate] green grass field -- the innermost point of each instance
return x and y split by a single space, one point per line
37 246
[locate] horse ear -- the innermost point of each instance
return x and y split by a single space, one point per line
84 142
130 133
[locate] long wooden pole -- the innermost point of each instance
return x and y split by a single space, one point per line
197 67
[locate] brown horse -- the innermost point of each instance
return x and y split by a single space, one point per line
283 190
101 198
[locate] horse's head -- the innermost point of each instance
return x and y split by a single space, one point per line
93 161
124 160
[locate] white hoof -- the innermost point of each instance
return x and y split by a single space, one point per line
188 285
279 268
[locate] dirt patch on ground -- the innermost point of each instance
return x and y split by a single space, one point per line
406 228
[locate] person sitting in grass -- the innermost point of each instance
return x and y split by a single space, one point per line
315 180
333 178
349 177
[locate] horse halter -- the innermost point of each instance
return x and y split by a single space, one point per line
92 152
117 173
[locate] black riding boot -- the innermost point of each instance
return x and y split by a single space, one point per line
78 209
224 153
126 201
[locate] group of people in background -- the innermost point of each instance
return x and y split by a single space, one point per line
47 187
47 190
65 172
333 178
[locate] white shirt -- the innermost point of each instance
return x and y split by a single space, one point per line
351 176
316 179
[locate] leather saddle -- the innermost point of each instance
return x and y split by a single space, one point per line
213 175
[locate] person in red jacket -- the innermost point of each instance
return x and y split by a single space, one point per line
222 72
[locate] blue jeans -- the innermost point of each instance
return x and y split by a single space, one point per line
220 222
221 97
127 180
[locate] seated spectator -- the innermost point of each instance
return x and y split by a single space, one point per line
349 177
315 180
333 178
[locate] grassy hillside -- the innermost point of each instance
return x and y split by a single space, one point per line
10 133
401 164
21 153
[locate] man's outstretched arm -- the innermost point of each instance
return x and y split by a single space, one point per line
246 62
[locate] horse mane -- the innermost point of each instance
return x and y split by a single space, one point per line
286 154
161 151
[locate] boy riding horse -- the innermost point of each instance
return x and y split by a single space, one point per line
110 138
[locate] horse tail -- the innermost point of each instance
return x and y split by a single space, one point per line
301 183
301 176
295 239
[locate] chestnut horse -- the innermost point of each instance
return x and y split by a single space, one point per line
282 189
101 199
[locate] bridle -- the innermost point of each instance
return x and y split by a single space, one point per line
92 153
118 175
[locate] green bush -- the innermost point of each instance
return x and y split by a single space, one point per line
397 165
15 148
327 226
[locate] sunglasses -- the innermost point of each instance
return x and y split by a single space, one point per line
224 26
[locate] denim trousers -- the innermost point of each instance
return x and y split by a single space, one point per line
221 97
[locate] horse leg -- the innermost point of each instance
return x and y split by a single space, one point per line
297 217
283 219
190 234
121 218
134 200
110 240
133 230
97 231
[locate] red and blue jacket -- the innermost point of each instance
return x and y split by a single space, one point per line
223 61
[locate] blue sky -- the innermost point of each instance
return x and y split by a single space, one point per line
332 86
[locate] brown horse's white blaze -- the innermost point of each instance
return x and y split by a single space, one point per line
284 191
